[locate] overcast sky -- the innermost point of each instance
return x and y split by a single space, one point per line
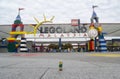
63 10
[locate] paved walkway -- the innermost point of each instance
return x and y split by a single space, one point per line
45 66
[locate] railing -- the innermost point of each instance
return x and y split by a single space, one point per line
113 48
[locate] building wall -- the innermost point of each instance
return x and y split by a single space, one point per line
112 29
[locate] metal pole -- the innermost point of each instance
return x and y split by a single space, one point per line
34 44
95 44
79 25
60 44
94 6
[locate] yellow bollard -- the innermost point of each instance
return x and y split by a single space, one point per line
60 65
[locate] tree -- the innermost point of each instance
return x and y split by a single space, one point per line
68 45
53 46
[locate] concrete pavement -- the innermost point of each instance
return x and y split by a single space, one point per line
45 66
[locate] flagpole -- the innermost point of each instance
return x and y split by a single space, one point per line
93 7
18 11
95 40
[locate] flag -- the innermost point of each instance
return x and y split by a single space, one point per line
21 9
94 6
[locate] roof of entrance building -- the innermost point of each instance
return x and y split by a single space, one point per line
111 29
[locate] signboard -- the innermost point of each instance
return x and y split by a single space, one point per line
57 35
75 22
62 29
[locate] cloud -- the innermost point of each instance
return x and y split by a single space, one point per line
63 10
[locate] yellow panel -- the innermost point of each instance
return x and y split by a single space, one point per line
105 55
99 28
11 39
17 32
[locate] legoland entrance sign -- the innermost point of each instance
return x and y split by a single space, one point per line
60 29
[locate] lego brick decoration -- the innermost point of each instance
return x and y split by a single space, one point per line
23 46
